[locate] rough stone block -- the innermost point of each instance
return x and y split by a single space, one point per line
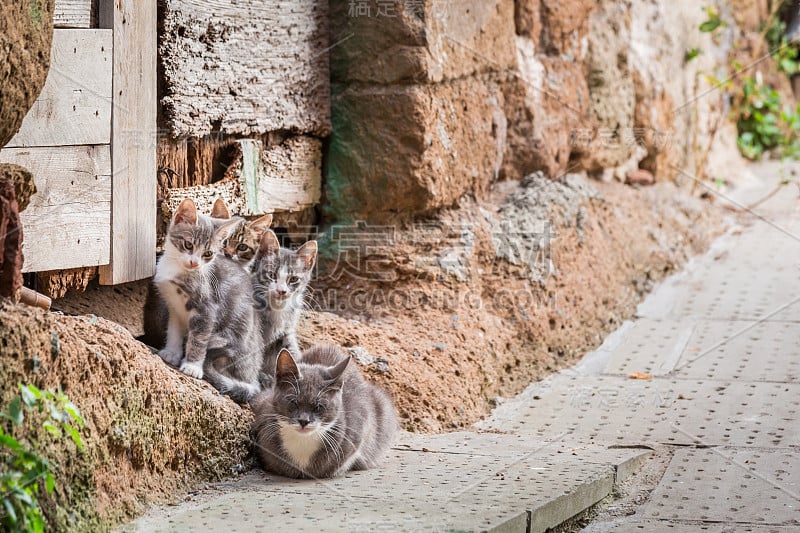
26 33
422 41
245 67
411 149
547 108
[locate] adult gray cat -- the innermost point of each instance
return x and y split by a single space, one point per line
321 418
281 278
210 302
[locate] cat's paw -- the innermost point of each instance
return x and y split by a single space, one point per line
194 370
171 357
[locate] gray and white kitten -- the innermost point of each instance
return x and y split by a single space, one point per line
155 314
210 303
321 418
281 278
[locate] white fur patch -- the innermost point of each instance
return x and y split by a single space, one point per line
301 447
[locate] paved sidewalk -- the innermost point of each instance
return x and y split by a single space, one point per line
722 344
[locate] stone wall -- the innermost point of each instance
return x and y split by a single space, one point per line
435 99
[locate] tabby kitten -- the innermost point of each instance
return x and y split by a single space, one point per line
281 278
241 246
321 418
210 303
243 242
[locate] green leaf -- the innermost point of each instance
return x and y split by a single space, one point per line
710 25
12 514
10 442
691 53
73 433
73 411
15 411
52 428
28 396
49 482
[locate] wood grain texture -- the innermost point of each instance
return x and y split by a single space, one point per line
74 107
67 222
246 67
73 14
282 178
133 144
288 176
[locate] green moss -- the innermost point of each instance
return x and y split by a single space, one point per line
36 14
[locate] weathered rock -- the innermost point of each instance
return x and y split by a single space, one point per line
528 19
10 240
547 111
640 176
404 150
245 67
26 33
424 41
150 432
611 88
565 27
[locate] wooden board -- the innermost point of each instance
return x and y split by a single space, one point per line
73 14
246 67
287 178
133 144
283 178
74 107
67 222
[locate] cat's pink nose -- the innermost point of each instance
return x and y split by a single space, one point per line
194 263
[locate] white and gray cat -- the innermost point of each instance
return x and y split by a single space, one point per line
281 278
321 418
241 245
211 307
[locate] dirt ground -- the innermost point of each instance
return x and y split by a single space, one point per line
479 302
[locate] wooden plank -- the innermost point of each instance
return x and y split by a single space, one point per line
288 178
67 222
283 178
74 107
246 67
133 143
73 14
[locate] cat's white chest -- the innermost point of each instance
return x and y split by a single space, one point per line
173 296
301 447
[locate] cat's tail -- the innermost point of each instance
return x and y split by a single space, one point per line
238 390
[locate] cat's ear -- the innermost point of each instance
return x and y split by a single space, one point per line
224 231
308 254
269 243
220 210
337 371
260 225
285 368
186 213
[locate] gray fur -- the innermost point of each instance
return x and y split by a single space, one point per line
275 269
352 421
213 331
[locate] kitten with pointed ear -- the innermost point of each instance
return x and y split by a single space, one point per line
281 277
220 210
321 418
243 244
155 315
209 298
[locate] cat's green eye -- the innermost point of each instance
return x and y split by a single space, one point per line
188 246
293 280
242 248
208 254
